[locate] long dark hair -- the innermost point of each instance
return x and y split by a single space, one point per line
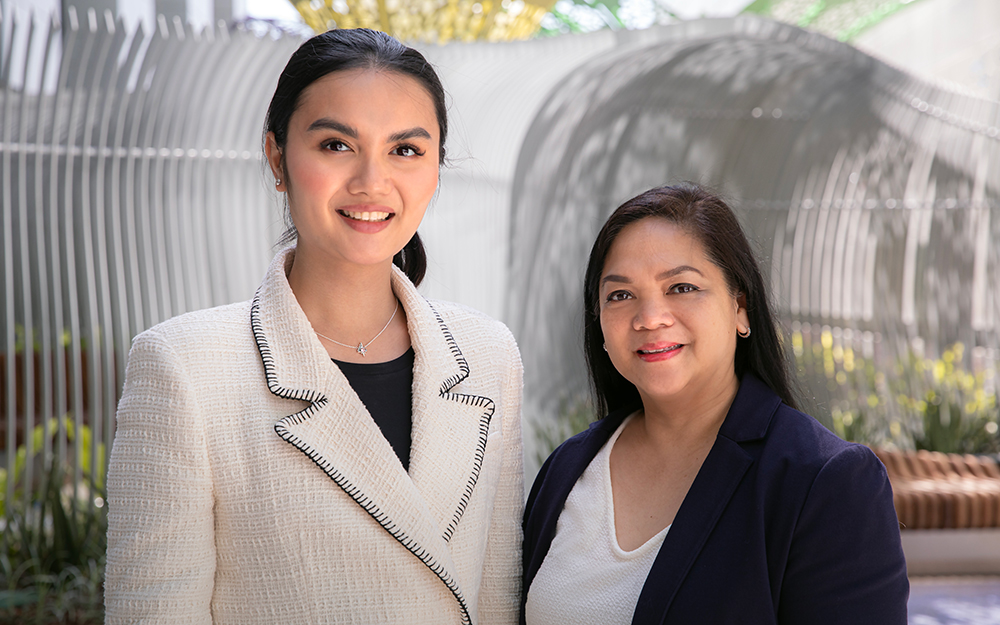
345 49
713 223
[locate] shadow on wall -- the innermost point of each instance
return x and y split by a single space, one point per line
872 197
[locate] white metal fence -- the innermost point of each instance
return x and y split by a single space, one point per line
131 191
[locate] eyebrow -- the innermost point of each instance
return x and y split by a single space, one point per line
660 276
409 134
325 123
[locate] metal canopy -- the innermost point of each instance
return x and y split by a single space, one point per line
872 196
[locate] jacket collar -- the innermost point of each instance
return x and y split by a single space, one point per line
421 509
748 420
750 415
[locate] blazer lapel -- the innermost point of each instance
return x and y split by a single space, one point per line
335 431
720 475
451 417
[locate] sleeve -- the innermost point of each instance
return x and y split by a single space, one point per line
845 563
161 544
500 592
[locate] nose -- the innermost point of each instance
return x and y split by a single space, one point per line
370 177
653 314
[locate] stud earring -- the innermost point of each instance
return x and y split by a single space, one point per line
605 347
742 335
277 183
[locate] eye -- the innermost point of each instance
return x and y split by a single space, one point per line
407 150
335 145
618 296
683 288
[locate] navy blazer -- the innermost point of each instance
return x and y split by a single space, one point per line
784 523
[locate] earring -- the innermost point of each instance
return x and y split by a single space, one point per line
742 335
277 182
605 347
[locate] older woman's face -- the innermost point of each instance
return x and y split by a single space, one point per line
668 317
360 164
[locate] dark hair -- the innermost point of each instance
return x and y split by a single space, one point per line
708 218
345 49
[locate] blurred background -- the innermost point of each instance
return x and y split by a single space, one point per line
858 140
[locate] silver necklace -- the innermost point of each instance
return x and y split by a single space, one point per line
362 348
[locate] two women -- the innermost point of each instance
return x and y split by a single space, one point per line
703 496
339 449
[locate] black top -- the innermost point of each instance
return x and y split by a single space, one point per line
385 388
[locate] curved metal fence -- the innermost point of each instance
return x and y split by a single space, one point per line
131 191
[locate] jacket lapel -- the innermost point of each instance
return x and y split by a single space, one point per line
717 480
451 422
335 431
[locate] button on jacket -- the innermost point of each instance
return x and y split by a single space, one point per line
248 483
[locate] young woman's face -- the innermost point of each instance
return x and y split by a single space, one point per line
360 164
668 317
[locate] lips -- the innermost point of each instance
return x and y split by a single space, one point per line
653 352
366 219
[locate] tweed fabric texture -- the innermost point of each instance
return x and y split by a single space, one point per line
249 484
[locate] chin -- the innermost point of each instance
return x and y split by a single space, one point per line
661 390
370 257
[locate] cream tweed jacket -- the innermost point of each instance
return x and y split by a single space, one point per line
249 484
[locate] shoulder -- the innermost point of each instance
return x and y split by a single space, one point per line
556 478
209 330
569 458
473 329
803 437
466 317
802 450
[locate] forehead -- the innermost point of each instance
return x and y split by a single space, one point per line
658 244
362 92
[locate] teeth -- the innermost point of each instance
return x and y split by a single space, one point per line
366 215
659 351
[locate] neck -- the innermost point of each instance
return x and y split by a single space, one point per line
696 416
348 303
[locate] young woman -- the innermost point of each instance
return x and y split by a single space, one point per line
339 449
703 496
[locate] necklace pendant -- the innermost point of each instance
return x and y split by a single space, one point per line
361 349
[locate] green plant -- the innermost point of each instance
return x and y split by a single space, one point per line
959 411
52 547
912 402
49 430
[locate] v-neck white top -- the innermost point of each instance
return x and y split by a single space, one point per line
586 578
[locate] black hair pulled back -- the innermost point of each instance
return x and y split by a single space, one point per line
346 49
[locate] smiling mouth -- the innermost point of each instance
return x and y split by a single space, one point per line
660 351
372 216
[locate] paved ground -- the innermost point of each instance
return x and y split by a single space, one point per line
954 601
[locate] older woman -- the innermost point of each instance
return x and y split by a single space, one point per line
339 449
703 496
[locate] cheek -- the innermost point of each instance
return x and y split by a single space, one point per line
613 326
306 176
420 185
